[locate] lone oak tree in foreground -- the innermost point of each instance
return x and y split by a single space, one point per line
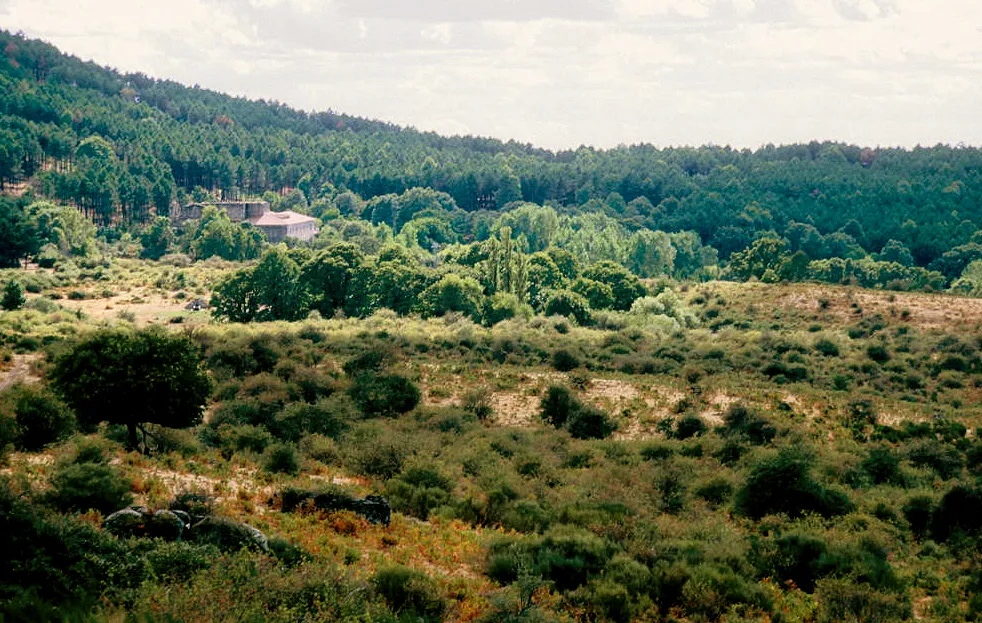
132 378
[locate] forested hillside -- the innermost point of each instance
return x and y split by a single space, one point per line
499 384
121 146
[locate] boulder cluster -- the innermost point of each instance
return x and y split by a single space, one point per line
177 524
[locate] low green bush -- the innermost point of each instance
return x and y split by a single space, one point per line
281 458
384 395
782 483
411 594
79 487
41 418
419 490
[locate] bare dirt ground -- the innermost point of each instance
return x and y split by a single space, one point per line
145 306
20 371
849 304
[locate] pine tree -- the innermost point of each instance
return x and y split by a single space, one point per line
13 296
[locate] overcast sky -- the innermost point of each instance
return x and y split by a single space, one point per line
561 73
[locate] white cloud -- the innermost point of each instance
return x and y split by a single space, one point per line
564 72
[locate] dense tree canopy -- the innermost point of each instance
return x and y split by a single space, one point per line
133 377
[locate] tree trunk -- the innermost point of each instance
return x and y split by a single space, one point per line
134 442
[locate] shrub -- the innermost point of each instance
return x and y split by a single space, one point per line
411 594
657 452
557 405
13 296
561 409
827 347
243 438
179 561
53 564
689 426
878 353
917 511
376 455
228 535
782 483
569 304
502 306
712 590
589 422
792 557
320 448
478 403
40 416
741 421
944 460
845 601
565 555
78 487
716 491
281 458
8 435
564 361
958 512
384 395
287 553
327 417
369 362
418 490
883 466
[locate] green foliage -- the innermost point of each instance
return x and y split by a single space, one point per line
410 593
54 564
959 512
18 238
326 417
625 287
41 418
281 458
216 235
452 293
271 290
782 483
82 486
13 296
384 395
157 238
557 405
743 422
569 304
418 490
564 361
765 254
846 601
179 561
562 409
503 306
130 377
567 557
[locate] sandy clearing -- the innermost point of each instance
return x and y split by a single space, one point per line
20 371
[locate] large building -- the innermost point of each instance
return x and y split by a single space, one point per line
276 225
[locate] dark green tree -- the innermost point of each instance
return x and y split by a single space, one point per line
13 296
271 290
133 378
625 286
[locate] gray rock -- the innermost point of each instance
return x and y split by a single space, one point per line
164 524
125 523
228 535
184 517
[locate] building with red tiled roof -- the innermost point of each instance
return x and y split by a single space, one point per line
276 225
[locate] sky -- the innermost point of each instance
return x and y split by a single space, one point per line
564 73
